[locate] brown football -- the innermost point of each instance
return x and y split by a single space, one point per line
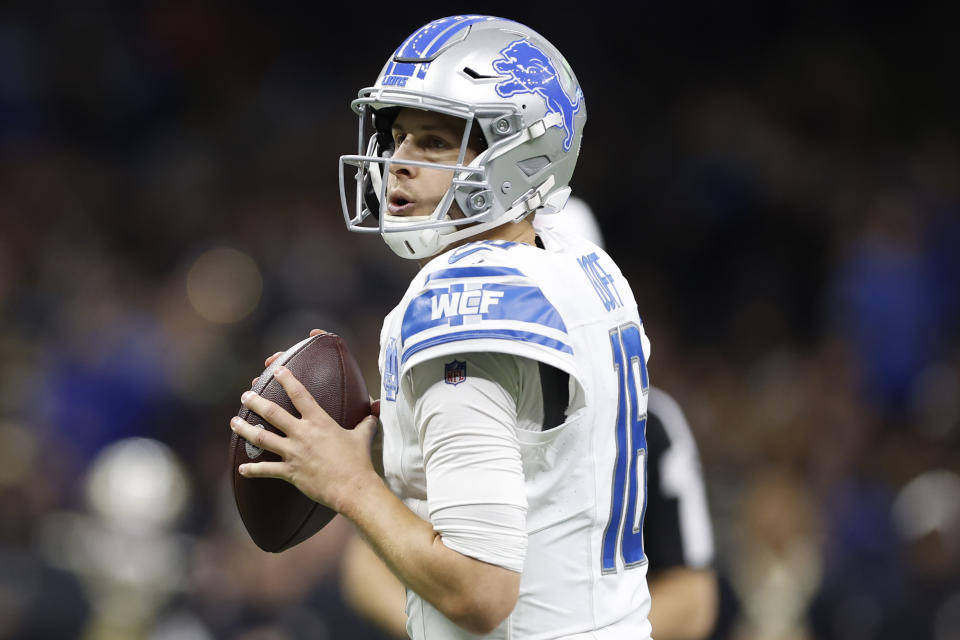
276 514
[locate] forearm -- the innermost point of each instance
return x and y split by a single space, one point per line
371 589
473 594
684 603
332 466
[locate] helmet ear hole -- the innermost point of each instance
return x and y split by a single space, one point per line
383 124
533 165
478 140
370 199
371 190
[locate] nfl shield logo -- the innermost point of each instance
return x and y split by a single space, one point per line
455 372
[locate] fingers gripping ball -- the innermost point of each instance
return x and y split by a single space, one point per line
275 513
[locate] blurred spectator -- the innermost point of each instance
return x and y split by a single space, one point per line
777 564
887 301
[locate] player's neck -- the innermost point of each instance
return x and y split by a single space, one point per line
520 232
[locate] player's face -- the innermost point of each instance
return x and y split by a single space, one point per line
423 136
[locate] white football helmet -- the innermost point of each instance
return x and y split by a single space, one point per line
497 75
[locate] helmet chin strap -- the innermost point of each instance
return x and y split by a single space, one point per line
425 243
412 244
416 243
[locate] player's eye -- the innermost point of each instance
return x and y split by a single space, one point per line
398 138
437 143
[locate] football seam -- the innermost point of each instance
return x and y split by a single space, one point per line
343 387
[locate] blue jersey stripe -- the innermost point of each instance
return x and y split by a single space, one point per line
455 305
498 334
473 272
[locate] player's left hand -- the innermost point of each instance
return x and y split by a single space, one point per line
323 460
270 359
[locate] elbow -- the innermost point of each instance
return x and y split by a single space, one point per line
685 603
481 611
701 623
704 618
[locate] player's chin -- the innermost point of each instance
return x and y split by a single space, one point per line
422 209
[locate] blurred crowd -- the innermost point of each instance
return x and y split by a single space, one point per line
782 188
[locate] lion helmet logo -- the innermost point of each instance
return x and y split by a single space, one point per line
530 71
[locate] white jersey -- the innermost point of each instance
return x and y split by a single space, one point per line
569 307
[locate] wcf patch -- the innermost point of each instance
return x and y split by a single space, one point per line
455 372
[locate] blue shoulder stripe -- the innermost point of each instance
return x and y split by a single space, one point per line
500 334
454 305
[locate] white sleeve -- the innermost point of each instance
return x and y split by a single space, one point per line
466 415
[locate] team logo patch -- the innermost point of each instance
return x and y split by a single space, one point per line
455 372
530 71
253 451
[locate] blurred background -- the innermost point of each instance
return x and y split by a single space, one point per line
779 182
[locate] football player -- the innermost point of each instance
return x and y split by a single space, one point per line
514 370
677 528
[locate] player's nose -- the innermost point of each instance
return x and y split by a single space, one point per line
404 151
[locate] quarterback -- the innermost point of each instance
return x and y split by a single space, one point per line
514 369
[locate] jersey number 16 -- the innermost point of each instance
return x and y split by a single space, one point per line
628 502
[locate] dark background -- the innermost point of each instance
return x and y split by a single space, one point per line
779 182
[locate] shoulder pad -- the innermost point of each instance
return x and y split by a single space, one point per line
480 306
